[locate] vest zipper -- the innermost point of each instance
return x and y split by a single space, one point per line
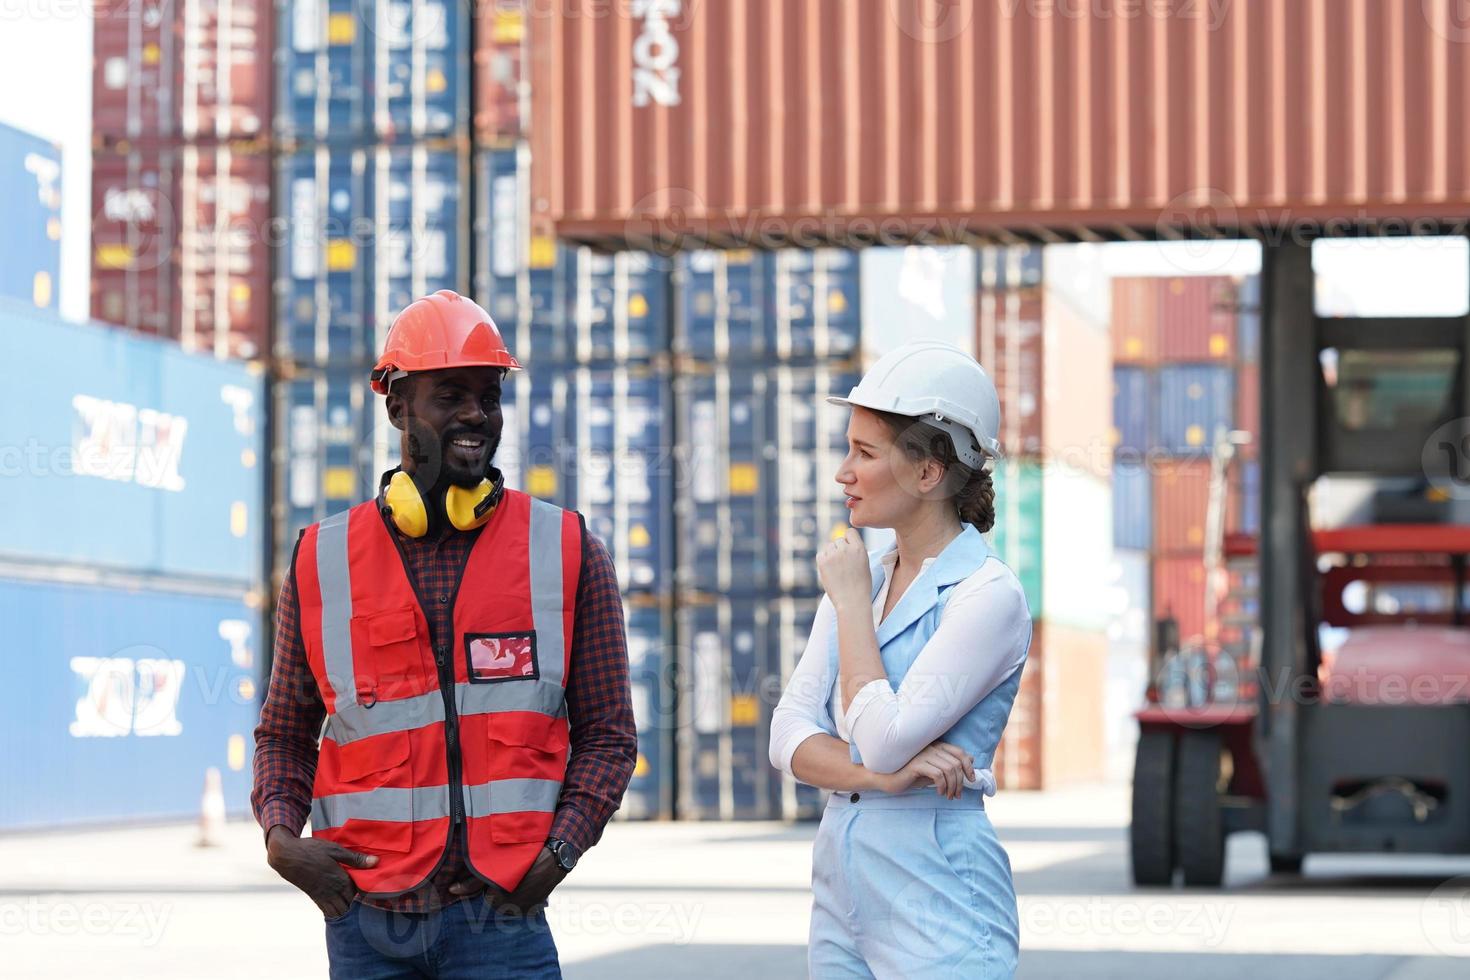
451 732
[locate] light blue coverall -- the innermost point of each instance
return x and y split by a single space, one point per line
915 886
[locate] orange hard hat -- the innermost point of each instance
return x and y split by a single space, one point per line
443 330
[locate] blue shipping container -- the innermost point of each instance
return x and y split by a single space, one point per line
1250 497
650 650
814 308
30 213
1009 266
618 433
359 70
1132 409
129 454
1132 505
1248 320
618 305
1193 402
721 309
334 442
724 524
807 505
502 234
726 683
792 620
367 232
129 698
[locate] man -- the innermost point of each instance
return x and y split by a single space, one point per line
457 638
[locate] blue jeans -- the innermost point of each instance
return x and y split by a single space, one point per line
465 940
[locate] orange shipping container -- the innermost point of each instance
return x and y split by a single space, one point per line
1181 493
1196 318
1248 399
1179 591
1055 735
500 87
1135 321
1008 343
726 120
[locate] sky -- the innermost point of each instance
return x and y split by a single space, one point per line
45 88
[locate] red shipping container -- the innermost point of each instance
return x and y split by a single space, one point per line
1179 591
1181 494
1008 341
500 89
1197 318
195 69
180 246
1135 321
1248 400
1018 756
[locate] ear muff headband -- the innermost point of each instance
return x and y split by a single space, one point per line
466 508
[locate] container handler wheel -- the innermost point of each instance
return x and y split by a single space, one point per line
1199 832
1151 832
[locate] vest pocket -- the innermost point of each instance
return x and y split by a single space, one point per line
379 817
395 655
524 804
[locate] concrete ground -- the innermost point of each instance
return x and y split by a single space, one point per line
720 901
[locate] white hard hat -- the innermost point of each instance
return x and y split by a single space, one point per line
943 386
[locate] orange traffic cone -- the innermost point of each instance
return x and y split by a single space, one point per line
212 810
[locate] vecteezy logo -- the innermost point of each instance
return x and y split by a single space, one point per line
655 53
1446 458
1445 917
127 696
118 441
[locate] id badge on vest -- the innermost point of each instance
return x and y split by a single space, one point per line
495 657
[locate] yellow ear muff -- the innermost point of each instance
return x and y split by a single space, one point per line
467 509
406 505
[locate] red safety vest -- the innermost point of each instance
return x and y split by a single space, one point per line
427 730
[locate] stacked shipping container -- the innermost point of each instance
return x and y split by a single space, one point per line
1185 371
30 213
181 177
1047 353
133 580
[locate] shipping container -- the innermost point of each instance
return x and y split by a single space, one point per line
808 505
814 309
30 213
194 70
1018 534
181 245
128 454
1181 496
1131 577
1179 592
732 121
1248 399
1007 267
375 70
721 306
1009 345
1078 391
333 442
618 305
130 698
791 628
502 238
325 70
1248 320
501 92
727 687
1135 321
652 671
618 432
722 507
367 231
1132 505
917 293
1197 318
1194 403
1133 391
1018 755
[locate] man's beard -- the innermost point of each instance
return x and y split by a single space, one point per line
445 469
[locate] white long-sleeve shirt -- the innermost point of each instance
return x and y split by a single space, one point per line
981 640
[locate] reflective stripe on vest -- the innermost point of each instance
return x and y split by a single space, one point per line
430 802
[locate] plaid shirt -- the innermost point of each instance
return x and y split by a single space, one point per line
604 744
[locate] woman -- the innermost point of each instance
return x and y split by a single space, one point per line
906 683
